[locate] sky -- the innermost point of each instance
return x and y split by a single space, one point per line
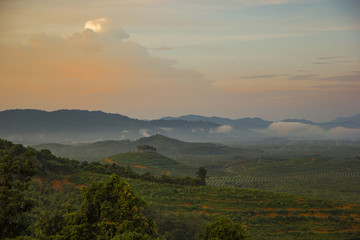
147 59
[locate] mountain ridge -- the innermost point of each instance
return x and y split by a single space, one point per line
31 126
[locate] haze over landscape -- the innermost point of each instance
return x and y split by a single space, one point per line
156 58
180 119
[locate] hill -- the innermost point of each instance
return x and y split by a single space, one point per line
165 145
238 123
182 212
152 162
76 126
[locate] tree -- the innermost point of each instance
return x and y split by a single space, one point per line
109 209
225 229
145 148
201 174
16 170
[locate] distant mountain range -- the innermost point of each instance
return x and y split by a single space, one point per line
75 126
238 123
348 122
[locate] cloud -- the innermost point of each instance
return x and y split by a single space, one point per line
94 70
96 25
166 128
302 77
194 130
222 129
294 129
330 57
353 77
344 133
162 48
332 60
144 132
299 130
259 76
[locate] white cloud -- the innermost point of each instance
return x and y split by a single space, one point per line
307 131
166 128
294 128
96 25
343 133
194 130
222 129
144 132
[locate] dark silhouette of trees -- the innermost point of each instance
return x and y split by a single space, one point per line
201 174
145 148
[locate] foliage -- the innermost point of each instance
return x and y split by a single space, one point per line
145 148
225 229
16 168
181 211
201 173
108 209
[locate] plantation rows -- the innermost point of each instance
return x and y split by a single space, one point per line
238 180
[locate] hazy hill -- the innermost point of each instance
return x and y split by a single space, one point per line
349 122
100 150
70 126
238 123
76 126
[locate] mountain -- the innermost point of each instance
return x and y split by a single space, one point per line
348 122
257 129
99 150
238 123
76 126
69 126
299 121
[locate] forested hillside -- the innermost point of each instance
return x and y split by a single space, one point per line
118 203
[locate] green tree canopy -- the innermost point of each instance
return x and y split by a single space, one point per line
108 210
16 169
225 229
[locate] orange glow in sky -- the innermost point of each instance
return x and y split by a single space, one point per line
149 59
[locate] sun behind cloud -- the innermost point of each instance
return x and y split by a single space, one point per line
96 25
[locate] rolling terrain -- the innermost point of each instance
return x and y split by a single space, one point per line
33 127
150 162
168 146
182 211
328 170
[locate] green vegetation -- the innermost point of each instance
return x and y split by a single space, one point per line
167 146
224 228
152 162
15 173
179 209
109 210
311 176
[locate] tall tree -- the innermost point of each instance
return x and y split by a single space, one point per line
201 174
